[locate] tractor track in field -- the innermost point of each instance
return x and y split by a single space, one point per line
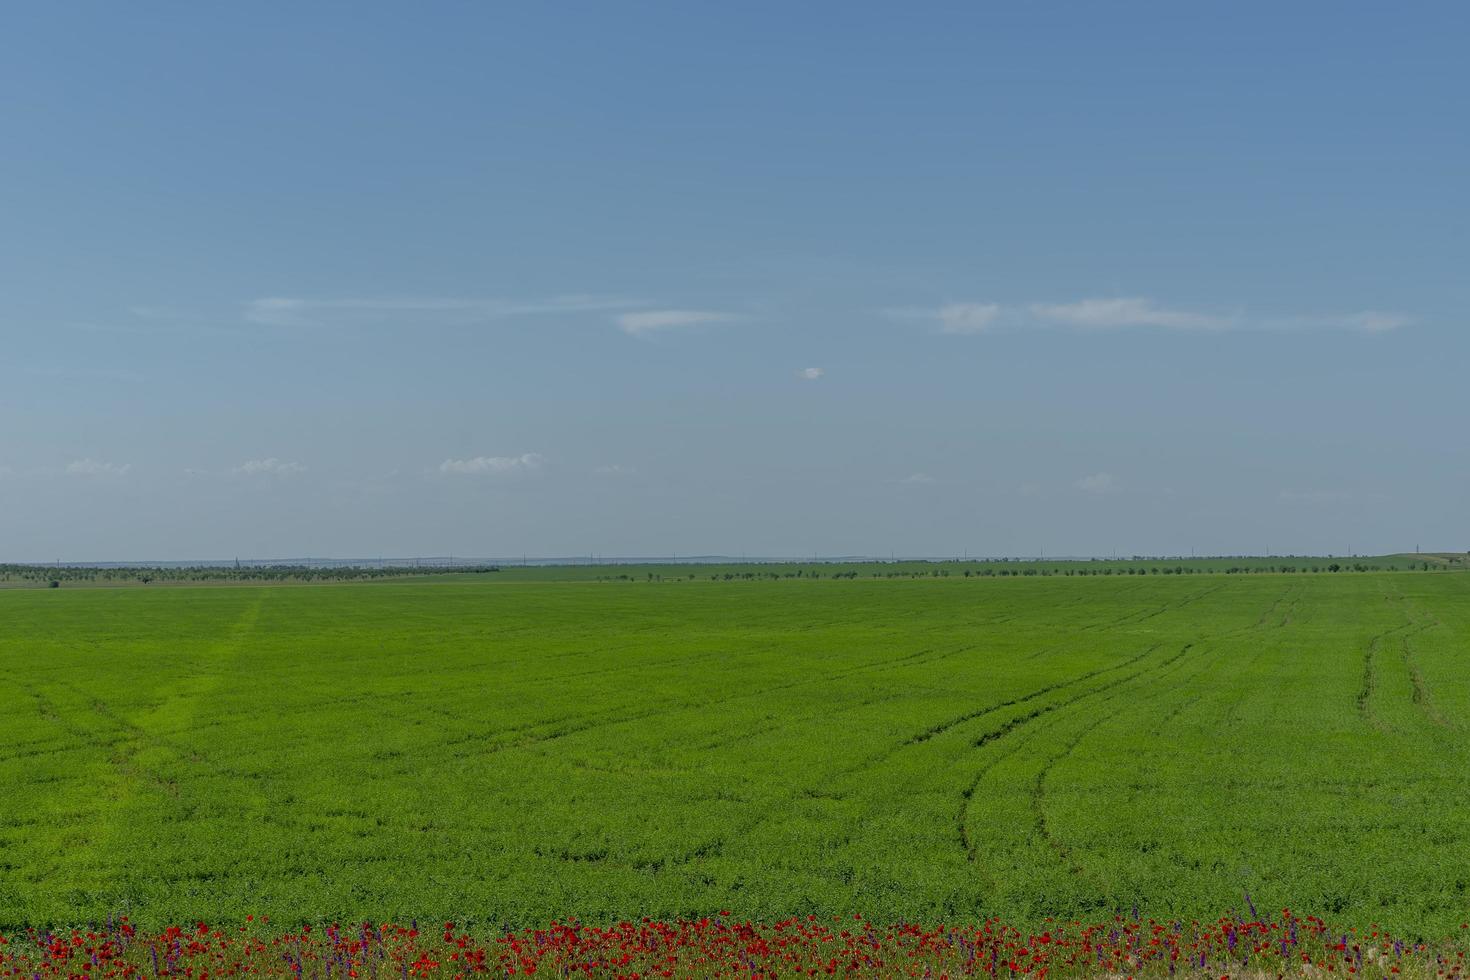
1023 720
517 736
1370 679
935 730
898 635
119 746
1419 694
1173 713
1260 623
767 814
1216 641
1143 615
1038 788
427 706
787 720
576 724
961 818
1038 798
129 752
126 739
1277 615
944 726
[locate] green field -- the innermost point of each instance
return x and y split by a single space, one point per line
494 750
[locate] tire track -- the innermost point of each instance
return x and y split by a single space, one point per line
577 723
1420 694
770 812
1365 697
1038 791
961 817
1038 798
944 726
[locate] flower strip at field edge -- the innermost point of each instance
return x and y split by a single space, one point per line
718 946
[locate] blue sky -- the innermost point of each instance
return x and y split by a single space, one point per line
633 279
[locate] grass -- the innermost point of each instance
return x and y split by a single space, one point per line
505 753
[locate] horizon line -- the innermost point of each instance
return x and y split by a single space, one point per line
455 561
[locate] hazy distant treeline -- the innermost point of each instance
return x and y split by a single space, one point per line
61 574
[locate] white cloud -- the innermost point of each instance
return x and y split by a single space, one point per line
277 311
967 317
268 467
1129 312
917 479
1367 321
1098 483
646 321
290 311
959 318
614 469
93 467
1374 321
493 465
810 374
1116 313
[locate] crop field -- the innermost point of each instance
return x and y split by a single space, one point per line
503 753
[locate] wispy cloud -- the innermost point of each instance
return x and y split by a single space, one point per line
810 374
96 468
967 317
291 311
917 480
268 467
1136 312
956 318
646 321
1367 321
1098 483
613 470
1124 312
493 465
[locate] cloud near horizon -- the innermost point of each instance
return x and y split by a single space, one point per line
1118 313
95 467
646 321
268 467
967 317
1123 312
290 311
1098 483
493 465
